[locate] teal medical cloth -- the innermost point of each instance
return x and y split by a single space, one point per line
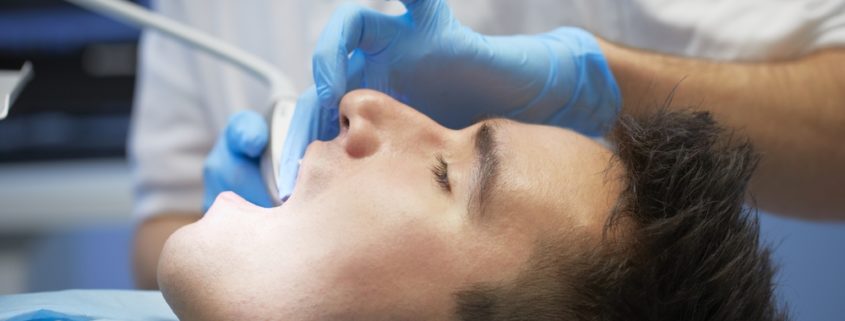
86 305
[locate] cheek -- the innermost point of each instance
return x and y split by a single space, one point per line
415 265
388 177
388 184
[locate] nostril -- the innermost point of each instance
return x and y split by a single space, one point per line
344 121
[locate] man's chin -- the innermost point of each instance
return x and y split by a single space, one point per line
174 283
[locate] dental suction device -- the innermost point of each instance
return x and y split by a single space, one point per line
282 105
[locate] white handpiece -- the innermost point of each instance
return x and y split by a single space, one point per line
279 121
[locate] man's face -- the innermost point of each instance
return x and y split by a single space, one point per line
389 219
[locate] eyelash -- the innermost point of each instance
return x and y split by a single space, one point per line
441 173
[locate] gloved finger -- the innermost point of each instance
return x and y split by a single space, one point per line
351 27
309 123
247 133
225 170
424 13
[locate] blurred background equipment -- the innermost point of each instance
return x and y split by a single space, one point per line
65 193
78 104
11 84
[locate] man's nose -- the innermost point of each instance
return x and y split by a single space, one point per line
359 120
370 120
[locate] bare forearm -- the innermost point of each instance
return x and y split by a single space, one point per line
149 241
793 112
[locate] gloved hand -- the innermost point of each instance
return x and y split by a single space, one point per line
310 122
233 162
425 58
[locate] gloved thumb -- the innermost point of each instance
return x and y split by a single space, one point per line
247 134
350 28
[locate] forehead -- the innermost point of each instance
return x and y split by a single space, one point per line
552 175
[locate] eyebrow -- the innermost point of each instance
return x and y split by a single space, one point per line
487 162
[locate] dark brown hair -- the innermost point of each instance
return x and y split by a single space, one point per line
680 244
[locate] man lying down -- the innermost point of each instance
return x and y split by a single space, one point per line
399 218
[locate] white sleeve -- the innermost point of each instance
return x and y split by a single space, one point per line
169 135
830 28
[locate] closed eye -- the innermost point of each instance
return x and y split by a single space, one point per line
441 173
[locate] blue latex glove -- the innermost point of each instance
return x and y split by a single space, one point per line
310 122
233 162
426 59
